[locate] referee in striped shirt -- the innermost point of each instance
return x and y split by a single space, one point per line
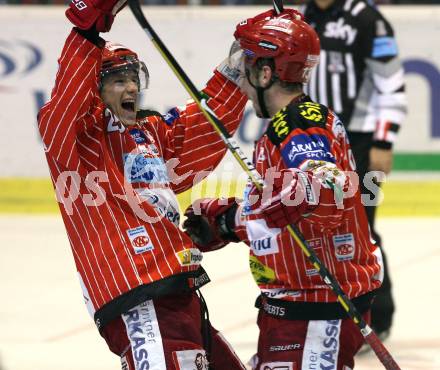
361 78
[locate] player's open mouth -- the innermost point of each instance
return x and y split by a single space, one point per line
128 105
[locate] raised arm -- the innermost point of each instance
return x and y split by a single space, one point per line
192 141
74 104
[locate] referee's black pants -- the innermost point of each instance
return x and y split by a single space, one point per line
383 306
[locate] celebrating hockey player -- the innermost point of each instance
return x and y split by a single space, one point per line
116 171
306 161
361 78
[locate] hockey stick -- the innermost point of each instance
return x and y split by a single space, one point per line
370 337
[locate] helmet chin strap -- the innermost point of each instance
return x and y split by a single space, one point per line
260 93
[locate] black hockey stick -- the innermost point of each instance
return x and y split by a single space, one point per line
278 6
371 338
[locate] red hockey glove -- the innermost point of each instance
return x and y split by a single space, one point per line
210 223
101 13
289 198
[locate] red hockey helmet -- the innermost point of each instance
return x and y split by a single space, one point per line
116 58
291 42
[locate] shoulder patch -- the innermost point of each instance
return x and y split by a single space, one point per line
303 116
279 127
171 116
311 114
384 47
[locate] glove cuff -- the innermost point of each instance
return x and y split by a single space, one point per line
91 35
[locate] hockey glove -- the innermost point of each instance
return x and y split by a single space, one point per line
210 223
101 13
283 202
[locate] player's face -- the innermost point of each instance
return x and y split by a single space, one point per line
324 4
119 92
250 91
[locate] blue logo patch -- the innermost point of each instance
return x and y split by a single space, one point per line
138 136
171 116
140 168
246 206
384 47
306 147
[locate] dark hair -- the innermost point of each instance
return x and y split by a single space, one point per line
292 87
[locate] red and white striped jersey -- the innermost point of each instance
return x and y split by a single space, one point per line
308 136
116 184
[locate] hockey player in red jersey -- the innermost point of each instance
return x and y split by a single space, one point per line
116 171
305 159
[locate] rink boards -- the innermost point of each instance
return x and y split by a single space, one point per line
44 323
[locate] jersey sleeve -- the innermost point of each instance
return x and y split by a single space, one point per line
192 143
72 108
388 102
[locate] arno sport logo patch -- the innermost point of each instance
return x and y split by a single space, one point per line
302 147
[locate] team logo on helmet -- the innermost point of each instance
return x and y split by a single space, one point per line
279 24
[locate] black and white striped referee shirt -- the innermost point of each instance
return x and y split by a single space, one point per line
359 76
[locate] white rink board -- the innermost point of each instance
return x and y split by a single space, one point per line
45 325
32 38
